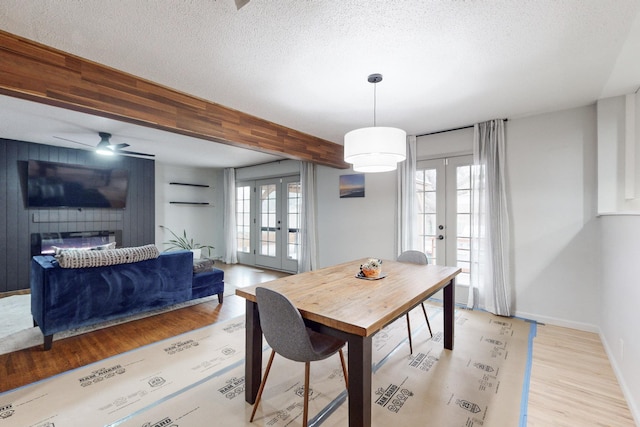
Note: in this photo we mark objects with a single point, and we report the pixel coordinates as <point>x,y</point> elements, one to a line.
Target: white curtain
<point>229,217</point>
<point>490,278</point>
<point>307,259</point>
<point>407,203</point>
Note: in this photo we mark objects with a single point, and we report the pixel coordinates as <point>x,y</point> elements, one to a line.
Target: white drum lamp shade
<point>375,149</point>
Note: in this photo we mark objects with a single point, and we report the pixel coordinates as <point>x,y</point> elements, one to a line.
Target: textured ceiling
<point>304,63</point>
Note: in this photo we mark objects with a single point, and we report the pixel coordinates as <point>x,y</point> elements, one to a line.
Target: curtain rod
<point>263,164</point>
<point>449,130</point>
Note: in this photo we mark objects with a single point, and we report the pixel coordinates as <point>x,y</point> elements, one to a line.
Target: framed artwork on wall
<point>352,185</point>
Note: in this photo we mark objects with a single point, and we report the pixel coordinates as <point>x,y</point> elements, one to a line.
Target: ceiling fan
<point>105,147</point>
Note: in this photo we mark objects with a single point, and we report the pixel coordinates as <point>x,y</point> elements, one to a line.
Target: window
<point>243,218</point>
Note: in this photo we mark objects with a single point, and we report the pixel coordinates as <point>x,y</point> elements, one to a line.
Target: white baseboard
<point>633,407</point>
<point>587,327</point>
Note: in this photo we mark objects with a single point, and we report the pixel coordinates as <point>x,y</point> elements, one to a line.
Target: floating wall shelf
<point>190,203</point>
<point>190,185</point>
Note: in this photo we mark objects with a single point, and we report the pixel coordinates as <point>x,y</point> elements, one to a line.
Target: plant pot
<point>371,272</point>
<point>197,253</point>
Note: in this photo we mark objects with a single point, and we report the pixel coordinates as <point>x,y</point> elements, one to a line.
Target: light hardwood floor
<point>572,382</point>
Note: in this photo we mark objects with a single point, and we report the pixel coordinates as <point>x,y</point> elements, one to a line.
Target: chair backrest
<point>415,257</point>
<point>283,327</point>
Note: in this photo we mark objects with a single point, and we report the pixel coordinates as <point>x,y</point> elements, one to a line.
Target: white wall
<point>610,153</point>
<point>619,154</point>
<point>552,185</point>
<point>268,170</point>
<point>620,294</point>
<point>204,224</point>
<point>454,143</point>
<point>353,228</point>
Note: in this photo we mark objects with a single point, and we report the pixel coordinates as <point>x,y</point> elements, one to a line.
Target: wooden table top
<point>334,297</point>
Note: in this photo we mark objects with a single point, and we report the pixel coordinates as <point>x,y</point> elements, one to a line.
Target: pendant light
<point>375,149</point>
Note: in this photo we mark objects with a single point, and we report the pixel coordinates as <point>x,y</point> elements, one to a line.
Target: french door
<point>443,189</point>
<point>268,222</point>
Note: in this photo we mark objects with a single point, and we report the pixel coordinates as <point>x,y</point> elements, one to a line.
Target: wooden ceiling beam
<point>36,72</point>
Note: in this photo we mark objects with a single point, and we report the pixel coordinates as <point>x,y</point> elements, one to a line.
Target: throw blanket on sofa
<point>74,258</point>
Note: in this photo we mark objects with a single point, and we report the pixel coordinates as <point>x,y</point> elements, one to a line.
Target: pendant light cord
<point>374,103</point>
<point>375,79</point>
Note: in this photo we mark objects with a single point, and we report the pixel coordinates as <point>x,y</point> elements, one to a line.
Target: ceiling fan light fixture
<point>375,149</point>
<point>104,147</point>
<point>104,151</point>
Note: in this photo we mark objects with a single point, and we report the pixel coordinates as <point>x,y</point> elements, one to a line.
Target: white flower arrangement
<point>371,268</point>
<point>372,263</point>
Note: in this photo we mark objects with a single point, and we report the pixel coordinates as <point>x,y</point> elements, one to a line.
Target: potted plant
<point>183,242</point>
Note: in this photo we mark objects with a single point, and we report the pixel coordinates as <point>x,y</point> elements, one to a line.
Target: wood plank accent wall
<point>17,222</point>
<point>40,73</point>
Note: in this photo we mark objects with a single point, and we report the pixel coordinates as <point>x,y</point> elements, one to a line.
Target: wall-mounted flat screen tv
<point>58,185</point>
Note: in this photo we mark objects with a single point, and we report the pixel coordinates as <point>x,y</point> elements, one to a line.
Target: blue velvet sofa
<point>68,298</point>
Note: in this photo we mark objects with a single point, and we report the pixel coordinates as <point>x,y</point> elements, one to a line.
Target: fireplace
<point>43,243</point>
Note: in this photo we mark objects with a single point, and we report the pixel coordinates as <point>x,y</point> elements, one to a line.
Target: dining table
<point>336,301</point>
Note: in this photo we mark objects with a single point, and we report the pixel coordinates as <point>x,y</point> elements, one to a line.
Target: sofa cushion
<point>202,264</point>
<point>101,258</point>
<point>208,283</point>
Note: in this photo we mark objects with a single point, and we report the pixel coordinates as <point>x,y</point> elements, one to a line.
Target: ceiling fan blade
<point>240,3</point>
<point>120,146</point>
<point>104,143</point>
<point>75,142</point>
<point>134,153</point>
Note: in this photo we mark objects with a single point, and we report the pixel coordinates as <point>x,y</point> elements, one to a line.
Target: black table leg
<point>359,381</point>
<point>449,305</point>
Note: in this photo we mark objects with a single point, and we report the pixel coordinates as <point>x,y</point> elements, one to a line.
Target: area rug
<point>17,331</point>
<point>197,379</point>
<point>16,314</point>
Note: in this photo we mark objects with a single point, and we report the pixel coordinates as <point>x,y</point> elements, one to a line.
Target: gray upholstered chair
<point>415,257</point>
<point>286,333</point>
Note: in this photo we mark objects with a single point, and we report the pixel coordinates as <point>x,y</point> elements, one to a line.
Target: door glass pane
<point>464,201</point>
<point>463,174</point>
<point>430,224</point>
<point>294,207</point>
<point>267,237</point>
<point>427,205</point>
<point>243,215</point>
<point>463,223</point>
